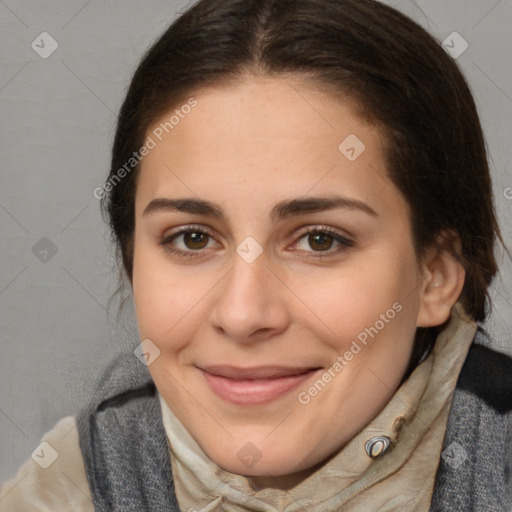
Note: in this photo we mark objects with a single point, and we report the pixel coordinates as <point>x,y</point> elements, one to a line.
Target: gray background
<point>57,120</point>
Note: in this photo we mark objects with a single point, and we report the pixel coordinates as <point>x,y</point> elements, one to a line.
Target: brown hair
<point>395,72</point>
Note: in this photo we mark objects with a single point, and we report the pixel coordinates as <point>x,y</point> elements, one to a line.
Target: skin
<point>247,146</point>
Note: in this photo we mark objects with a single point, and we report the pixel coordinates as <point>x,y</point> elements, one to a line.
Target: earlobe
<point>443,282</point>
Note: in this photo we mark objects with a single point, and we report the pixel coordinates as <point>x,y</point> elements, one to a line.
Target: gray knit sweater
<point>127,457</point>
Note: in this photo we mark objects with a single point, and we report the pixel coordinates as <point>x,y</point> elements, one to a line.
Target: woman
<point>301,200</point>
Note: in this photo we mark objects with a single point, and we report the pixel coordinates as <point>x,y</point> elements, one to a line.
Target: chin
<point>249,460</point>
<point>261,468</point>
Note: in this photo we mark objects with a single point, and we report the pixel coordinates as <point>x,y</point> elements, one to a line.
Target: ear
<point>442,285</point>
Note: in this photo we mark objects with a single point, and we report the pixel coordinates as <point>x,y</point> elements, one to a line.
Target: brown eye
<point>320,241</point>
<point>195,239</point>
<point>187,242</point>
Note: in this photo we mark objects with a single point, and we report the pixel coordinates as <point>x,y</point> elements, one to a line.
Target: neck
<point>282,482</point>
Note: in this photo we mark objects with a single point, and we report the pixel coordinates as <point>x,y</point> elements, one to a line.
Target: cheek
<point>168,299</point>
<point>346,299</point>
<point>156,294</point>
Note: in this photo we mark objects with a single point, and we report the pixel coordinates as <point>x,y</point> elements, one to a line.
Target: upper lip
<point>255,372</point>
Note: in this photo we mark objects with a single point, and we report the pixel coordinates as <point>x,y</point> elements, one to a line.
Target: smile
<point>254,386</point>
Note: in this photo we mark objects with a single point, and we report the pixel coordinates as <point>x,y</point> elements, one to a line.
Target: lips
<point>256,385</point>
<point>259,372</point>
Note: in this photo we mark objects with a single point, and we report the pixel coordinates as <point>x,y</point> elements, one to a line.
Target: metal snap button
<point>376,446</point>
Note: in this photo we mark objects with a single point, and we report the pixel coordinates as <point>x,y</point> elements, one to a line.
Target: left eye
<point>322,239</point>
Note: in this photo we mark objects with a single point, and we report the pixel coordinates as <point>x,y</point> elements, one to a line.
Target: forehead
<point>263,139</point>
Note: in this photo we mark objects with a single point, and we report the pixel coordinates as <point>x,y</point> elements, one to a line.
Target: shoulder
<point>487,374</point>
<point>53,478</point>
<point>475,468</point>
<point>123,441</point>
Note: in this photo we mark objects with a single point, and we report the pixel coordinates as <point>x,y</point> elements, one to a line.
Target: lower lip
<point>254,392</point>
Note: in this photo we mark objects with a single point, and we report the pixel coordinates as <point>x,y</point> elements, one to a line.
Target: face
<point>274,270</point>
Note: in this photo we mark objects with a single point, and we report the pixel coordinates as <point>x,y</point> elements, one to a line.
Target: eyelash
<point>324,230</point>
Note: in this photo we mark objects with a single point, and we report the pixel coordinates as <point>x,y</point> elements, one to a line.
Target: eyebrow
<point>280,211</point>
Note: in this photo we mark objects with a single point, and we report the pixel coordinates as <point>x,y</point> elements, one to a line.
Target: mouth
<point>254,386</point>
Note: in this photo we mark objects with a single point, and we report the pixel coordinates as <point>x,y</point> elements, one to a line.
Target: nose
<point>250,303</point>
